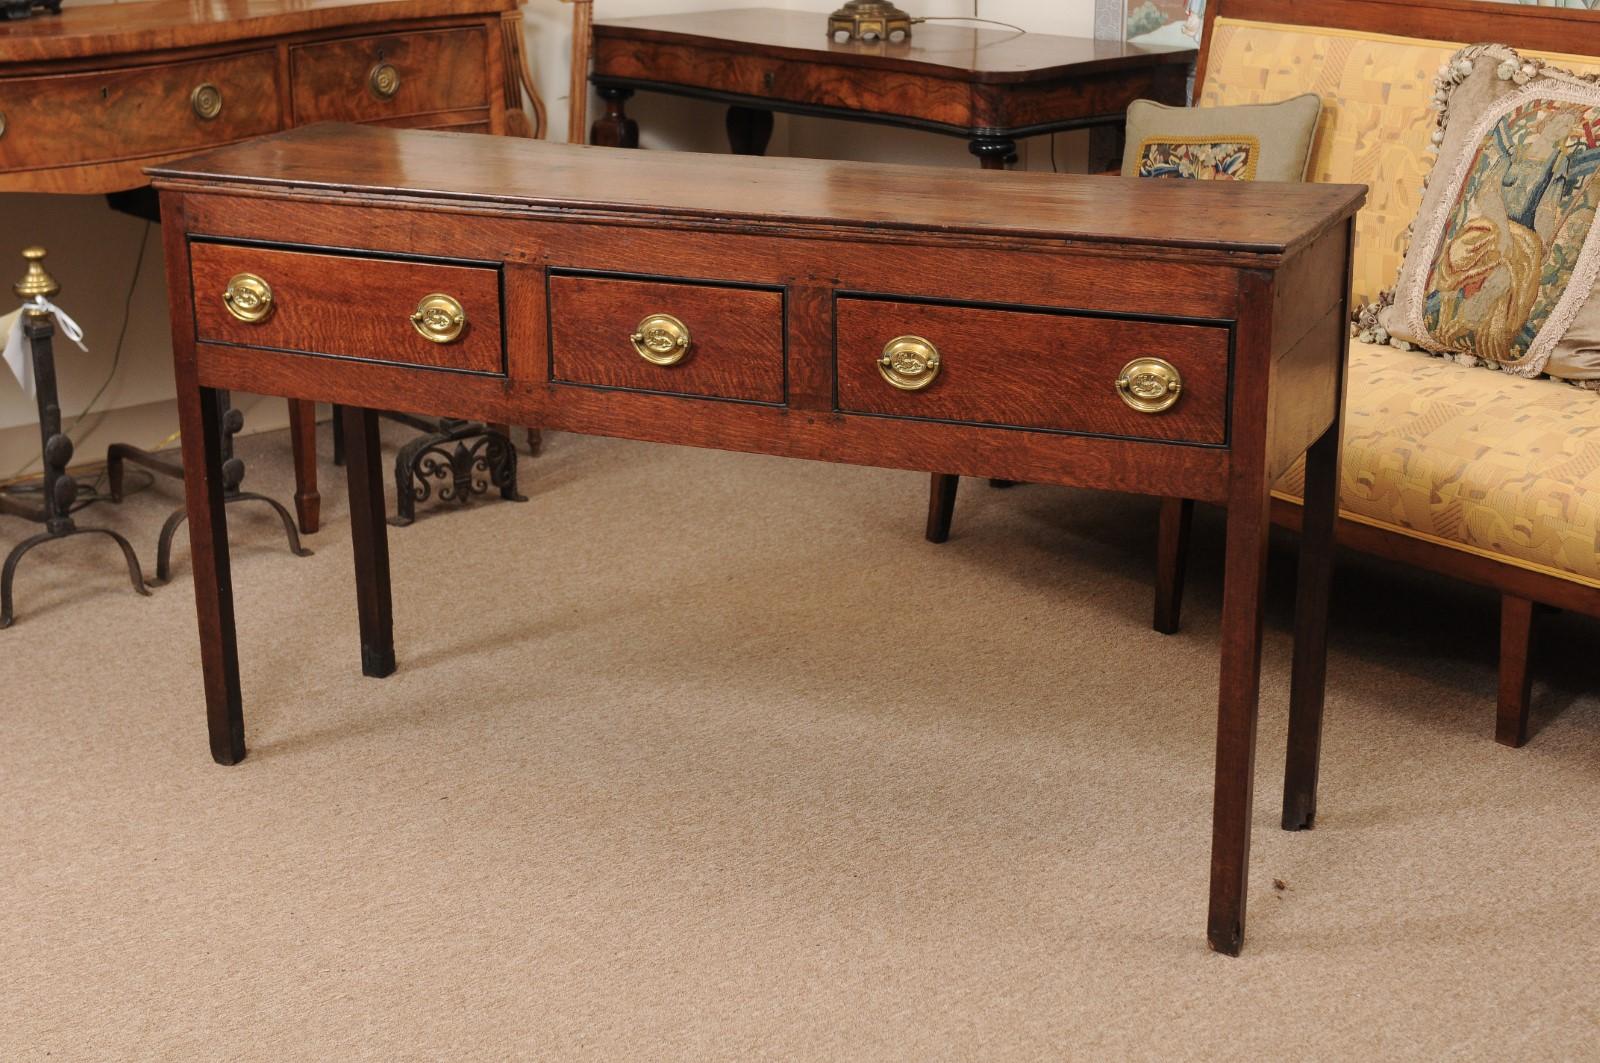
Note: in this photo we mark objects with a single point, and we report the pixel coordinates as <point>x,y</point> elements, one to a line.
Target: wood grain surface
<point>439,70</point>
<point>1236,218</point>
<point>1033,370</point>
<point>736,349</point>
<point>349,307</point>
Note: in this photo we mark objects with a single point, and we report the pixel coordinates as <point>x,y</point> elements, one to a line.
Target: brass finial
<point>36,281</point>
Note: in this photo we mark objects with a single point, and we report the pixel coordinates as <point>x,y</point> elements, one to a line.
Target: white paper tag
<point>18,353</point>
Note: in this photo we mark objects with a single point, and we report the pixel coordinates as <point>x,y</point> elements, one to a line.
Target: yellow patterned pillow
<point>1377,119</point>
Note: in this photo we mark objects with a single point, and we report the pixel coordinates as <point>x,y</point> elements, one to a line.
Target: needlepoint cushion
<point>1504,254</point>
<point>1259,142</point>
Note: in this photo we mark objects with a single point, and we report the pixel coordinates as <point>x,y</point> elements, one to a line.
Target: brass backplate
<point>910,363</point>
<point>248,297</point>
<point>1150,385</point>
<point>662,339</point>
<point>438,318</point>
<point>206,99</point>
<point>384,80</point>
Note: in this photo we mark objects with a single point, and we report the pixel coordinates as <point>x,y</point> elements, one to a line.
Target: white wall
<point>93,249</point>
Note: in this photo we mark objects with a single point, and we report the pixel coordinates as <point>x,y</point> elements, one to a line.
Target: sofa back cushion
<point>1377,120</point>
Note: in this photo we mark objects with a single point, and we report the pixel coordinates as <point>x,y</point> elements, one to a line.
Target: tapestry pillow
<point>1253,142</point>
<point>1504,253</point>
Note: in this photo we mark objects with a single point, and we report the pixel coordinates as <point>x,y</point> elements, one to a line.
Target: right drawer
<point>397,75</point>
<point>1033,369</point>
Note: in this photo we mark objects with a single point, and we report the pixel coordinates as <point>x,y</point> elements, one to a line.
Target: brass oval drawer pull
<point>439,318</point>
<point>248,297</point>
<point>1150,385</point>
<point>909,363</point>
<point>662,339</point>
<point>384,80</point>
<point>206,99</point>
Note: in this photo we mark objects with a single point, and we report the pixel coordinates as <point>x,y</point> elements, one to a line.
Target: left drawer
<point>436,315</point>
<point>105,116</point>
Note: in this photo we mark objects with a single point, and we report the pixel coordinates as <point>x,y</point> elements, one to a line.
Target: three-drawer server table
<point>1169,338</point>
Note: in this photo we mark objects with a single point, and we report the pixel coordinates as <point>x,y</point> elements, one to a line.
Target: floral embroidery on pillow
<point>1513,236</point>
<point>1214,158</point>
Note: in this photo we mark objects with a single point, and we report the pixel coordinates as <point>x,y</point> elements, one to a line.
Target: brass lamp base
<point>867,20</point>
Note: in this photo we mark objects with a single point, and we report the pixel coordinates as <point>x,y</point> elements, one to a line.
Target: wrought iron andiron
<point>60,489</point>
<point>231,421</point>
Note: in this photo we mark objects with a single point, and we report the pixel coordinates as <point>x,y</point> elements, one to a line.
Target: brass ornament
<point>910,363</point>
<point>206,99</point>
<point>870,20</point>
<point>248,298</point>
<point>662,339</point>
<point>2,123</point>
<point>37,280</point>
<point>439,318</point>
<point>1150,385</point>
<point>384,81</point>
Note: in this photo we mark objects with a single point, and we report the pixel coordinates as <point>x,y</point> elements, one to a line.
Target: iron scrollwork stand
<point>60,488</point>
<point>452,458</point>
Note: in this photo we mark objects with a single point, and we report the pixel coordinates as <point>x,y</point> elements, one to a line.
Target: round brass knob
<point>662,339</point>
<point>909,363</point>
<point>248,298</point>
<point>206,99</point>
<point>439,318</point>
<point>1150,385</point>
<point>384,80</point>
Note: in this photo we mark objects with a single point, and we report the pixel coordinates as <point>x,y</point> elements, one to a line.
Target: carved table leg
<point>749,130</point>
<point>614,129</point>
<point>303,441</point>
<point>200,417</point>
<point>369,540</point>
<point>993,153</point>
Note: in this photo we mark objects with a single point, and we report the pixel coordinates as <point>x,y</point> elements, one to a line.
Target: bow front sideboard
<point>1154,337</point>
<point>91,96</point>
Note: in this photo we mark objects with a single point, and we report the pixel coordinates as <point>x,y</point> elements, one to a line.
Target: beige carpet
<point>704,756</point>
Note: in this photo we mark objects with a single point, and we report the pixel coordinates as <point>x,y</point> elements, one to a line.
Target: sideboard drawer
<point>1030,369</point>
<point>367,79</point>
<point>347,306</point>
<point>723,342</point>
<point>108,115</point>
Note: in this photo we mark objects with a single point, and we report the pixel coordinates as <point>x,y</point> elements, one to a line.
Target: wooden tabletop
<point>970,52</point>
<point>1239,218</point>
<point>84,30</point>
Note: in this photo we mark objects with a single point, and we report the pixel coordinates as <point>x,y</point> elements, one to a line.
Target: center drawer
<point>403,312</point>
<point>1033,369</point>
<point>677,338</point>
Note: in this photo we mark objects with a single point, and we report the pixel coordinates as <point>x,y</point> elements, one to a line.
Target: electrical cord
<point>965,18</point>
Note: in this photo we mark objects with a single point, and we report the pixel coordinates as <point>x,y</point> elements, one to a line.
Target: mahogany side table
<point>990,86</point>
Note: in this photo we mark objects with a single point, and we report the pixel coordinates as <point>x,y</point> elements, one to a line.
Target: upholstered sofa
<point>1476,474</point>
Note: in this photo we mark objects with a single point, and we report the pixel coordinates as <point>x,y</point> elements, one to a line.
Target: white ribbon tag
<point>18,355</point>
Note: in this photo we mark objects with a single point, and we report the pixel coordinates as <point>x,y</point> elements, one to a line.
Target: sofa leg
<point>1516,679</point>
<point>941,506</point>
<point>1172,556</point>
